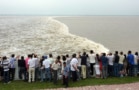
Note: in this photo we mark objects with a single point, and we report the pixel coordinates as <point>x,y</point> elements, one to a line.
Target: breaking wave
<point>41,35</point>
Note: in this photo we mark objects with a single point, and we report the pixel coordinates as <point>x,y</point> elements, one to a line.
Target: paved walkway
<point>132,86</point>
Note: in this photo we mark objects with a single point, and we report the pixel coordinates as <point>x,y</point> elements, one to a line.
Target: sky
<point>69,7</point>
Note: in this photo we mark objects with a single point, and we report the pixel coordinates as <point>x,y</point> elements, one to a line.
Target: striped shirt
<point>5,65</point>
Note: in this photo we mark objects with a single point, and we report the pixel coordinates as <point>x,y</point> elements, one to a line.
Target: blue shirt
<point>12,62</point>
<point>66,71</point>
<point>104,61</point>
<point>130,59</point>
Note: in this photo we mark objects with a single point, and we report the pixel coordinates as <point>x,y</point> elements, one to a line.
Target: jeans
<point>116,70</point>
<point>110,70</point>
<point>88,71</point>
<point>135,70</point>
<point>37,73</point>
<point>12,73</point>
<point>48,74</point>
<point>42,74</point>
<point>55,76</point>
<point>92,68</point>
<point>74,76</point>
<point>104,71</point>
<point>6,76</point>
<point>22,71</point>
<point>131,70</point>
<point>79,73</point>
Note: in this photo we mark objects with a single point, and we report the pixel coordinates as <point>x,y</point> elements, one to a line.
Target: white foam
<point>41,35</point>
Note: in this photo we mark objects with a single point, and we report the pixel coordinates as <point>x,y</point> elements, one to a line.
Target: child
<point>65,75</point>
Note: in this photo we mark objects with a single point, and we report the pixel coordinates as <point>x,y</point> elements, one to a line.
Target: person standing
<point>47,65</point>
<point>116,64</point>
<point>136,58</point>
<point>84,64</point>
<point>55,67</point>
<point>104,66</point>
<point>65,74</point>
<point>42,69</point>
<point>121,64</point>
<point>110,64</point>
<point>74,69</point>
<point>31,63</point>
<point>5,65</point>
<point>12,67</point>
<point>92,57</point>
<point>22,67</point>
<point>130,59</point>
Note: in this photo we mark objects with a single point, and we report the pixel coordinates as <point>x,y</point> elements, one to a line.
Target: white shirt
<point>92,58</point>
<point>136,59</point>
<point>31,63</point>
<point>110,59</point>
<point>36,62</point>
<point>73,62</point>
<point>46,63</point>
<point>121,59</point>
<point>51,60</point>
<point>55,66</point>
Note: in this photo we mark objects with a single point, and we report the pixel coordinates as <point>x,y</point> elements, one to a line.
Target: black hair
<point>64,58</point>
<point>22,57</point>
<point>4,58</point>
<point>121,53</point>
<point>136,53</point>
<point>50,55</point>
<point>12,55</point>
<point>67,55</point>
<point>91,51</point>
<point>116,52</point>
<point>74,55</point>
<point>58,57</point>
<point>84,53</point>
<point>129,52</point>
<point>64,62</point>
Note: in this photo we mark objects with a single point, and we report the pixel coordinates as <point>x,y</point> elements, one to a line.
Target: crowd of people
<point>76,67</point>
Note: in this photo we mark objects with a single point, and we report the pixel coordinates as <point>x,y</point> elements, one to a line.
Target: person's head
<point>74,55</point>
<point>121,53</point>
<point>129,52</point>
<point>104,54</point>
<point>67,56</point>
<point>12,55</point>
<point>84,53</point>
<point>4,58</point>
<point>63,57</point>
<point>22,57</point>
<point>110,53</point>
<point>64,63</point>
<point>35,56</point>
<point>136,53</point>
<point>58,57</point>
<point>31,56</point>
<point>50,55</point>
<point>116,52</point>
<point>91,51</point>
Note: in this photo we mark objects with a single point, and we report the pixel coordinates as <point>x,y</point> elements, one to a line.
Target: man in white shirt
<point>47,65</point>
<point>110,64</point>
<point>31,71</point>
<point>74,64</point>
<point>92,58</point>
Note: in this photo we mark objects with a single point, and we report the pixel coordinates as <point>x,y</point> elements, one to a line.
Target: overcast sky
<point>69,7</point>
